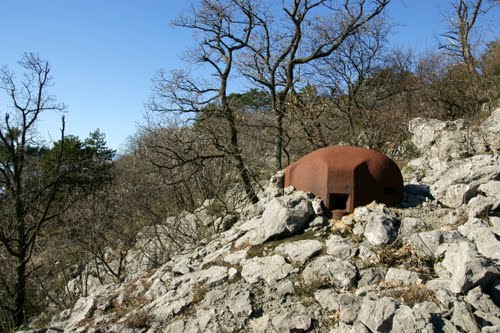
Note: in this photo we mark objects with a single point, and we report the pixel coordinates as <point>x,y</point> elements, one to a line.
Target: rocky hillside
<point>430,265</point>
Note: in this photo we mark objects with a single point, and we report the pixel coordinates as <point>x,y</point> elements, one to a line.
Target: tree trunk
<point>238,159</point>
<point>278,141</point>
<point>20,291</point>
<point>20,284</point>
<point>246,179</point>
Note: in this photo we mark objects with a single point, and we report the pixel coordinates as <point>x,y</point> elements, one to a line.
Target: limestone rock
<point>408,321</point>
<point>211,276</point>
<point>342,327</point>
<point>459,183</point>
<point>490,132</point>
<point>468,268</point>
<point>276,184</point>
<point>449,211</point>
<point>283,216</point>
<point>300,251</point>
<point>371,276</point>
<point>481,301</point>
<point>270,269</point>
<point>380,223</point>
<point>495,224</point>
<point>381,231</point>
<point>443,139</point>
<point>349,306</point>
<point>340,247</point>
<point>285,320</point>
<point>328,269</point>
<point>491,329</point>
<point>328,299</point>
<point>427,243</point>
<point>490,189</point>
<point>464,318</point>
<point>481,206</point>
<point>402,276</point>
<point>482,235</point>
<point>425,131</point>
<point>236,257</point>
<point>410,226</point>
<point>183,266</point>
<point>378,315</point>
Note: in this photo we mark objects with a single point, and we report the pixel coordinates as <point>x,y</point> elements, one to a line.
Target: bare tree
<point>462,41</point>
<point>223,28</point>
<point>343,76</point>
<point>307,30</point>
<point>27,195</point>
<point>462,34</point>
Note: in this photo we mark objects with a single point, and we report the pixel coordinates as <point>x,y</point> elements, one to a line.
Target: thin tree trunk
<point>20,284</point>
<point>20,291</point>
<point>278,141</point>
<point>238,159</point>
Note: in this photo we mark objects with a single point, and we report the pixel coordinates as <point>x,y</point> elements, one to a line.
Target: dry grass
<point>403,256</point>
<point>306,290</point>
<point>199,293</point>
<point>84,322</point>
<point>408,295</point>
<point>138,319</point>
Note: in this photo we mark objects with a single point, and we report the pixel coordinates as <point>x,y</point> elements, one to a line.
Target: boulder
<point>328,299</point>
<point>467,267</point>
<point>410,225</point>
<point>235,258</point>
<point>340,247</point>
<point>481,301</point>
<point>349,306</point>
<point>427,243</point>
<point>210,277</point>
<point>378,314</point>
<point>495,223</point>
<point>486,202</point>
<point>330,270</point>
<point>408,321</point>
<point>490,132</point>
<point>425,132</point>
<point>380,223</point>
<point>483,236</point>
<point>282,216</point>
<point>481,206</point>
<point>371,276</point>
<point>490,189</point>
<point>463,318</point>
<point>442,139</point>
<point>460,182</point>
<point>342,327</point>
<point>183,266</point>
<point>300,251</point>
<point>270,269</point>
<point>287,321</point>
<point>402,276</point>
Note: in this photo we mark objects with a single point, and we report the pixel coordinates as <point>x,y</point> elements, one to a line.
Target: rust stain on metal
<point>347,177</point>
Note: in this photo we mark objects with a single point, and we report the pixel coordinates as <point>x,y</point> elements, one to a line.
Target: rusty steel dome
<point>346,177</point>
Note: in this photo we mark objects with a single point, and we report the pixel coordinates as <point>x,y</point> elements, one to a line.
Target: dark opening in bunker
<point>389,191</point>
<point>338,201</point>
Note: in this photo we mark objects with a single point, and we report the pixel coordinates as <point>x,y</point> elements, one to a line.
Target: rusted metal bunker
<point>347,177</point>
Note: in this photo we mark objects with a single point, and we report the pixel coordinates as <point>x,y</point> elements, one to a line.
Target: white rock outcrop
<point>430,265</point>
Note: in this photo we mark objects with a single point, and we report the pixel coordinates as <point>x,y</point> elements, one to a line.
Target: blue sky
<point>104,52</point>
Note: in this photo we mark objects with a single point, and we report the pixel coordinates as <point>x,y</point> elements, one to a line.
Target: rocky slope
<point>430,265</point>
